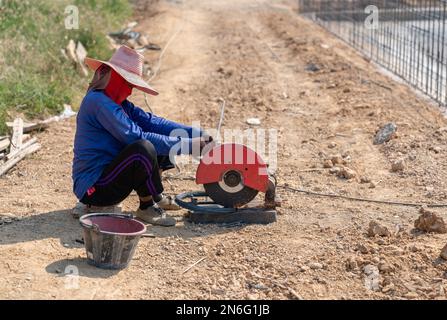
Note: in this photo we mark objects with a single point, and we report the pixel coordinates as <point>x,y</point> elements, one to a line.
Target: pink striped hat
<point>129,64</point>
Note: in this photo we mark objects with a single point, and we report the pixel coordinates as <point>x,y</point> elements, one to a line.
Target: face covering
<point>114,85</point>
<point>118,89</point>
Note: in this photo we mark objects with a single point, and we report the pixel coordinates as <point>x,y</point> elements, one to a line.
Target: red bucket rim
<point>113,215</point>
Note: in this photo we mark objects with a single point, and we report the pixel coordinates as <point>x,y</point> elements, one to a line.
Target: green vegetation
<point>35,77</point>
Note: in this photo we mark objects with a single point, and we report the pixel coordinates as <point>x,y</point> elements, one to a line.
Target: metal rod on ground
<point>194,264</point>
<point>147,103</point>
<point>312,170</point>
<point>148,235</point>
<point>219,125</point>
<point>159,62</point>
<point>180,28</point>
<point>410,204</point>
<point>175,177</point>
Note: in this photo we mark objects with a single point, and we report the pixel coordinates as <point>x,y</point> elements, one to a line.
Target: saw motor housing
<point>233,174</point>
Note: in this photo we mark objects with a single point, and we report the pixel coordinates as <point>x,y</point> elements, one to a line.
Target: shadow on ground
<point>78,266</point>
<point>60,224</point>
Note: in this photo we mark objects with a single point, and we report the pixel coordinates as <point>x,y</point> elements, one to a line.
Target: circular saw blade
<point>230,199</point>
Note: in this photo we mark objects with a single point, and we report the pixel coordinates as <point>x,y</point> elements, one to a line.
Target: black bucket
<point>111,239</point>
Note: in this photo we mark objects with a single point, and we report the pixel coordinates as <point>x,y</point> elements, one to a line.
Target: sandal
<point>81,209</point>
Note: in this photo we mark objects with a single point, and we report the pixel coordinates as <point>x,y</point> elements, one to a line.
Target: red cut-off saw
<point>232,175</point>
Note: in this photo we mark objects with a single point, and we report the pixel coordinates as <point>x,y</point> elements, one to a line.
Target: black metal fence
<point>408,37</point>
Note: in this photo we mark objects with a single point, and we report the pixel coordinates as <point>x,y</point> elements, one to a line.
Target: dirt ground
<point>255,54</point>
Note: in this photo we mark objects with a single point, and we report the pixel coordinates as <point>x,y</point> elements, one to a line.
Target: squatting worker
<point>118,147</point>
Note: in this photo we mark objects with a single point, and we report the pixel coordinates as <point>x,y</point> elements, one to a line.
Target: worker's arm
<point>152,123</point>
<point>113,118</point>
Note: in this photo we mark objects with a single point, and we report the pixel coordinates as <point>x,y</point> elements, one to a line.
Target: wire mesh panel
<point>408,37</point>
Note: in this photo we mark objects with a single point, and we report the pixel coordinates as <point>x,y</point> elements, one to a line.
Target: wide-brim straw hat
<point>129,64</point>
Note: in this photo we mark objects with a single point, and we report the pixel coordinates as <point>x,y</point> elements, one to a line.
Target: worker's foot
<point>156,216</point>
<point>168,203</point>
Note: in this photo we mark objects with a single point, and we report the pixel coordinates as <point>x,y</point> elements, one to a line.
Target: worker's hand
<point>210,144</point>
<point>202,144</point>
<point>206,137</point>
<point>198,143</point>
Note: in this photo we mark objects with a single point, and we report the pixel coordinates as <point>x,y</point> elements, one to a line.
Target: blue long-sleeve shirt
<point>104,128</point>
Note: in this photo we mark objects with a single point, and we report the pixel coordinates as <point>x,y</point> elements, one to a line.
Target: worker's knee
<point>146,148</point>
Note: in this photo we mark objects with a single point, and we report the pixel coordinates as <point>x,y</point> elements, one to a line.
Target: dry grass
<point>35,78</point>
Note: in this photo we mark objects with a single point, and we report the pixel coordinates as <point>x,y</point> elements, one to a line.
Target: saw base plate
<point>209,212</point>
<point>243,216</point>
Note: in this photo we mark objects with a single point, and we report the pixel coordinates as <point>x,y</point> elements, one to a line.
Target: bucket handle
<point>95,228</point>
